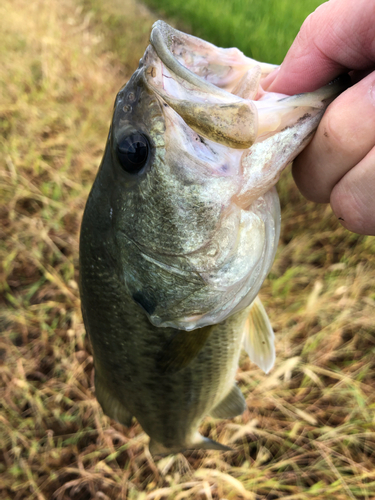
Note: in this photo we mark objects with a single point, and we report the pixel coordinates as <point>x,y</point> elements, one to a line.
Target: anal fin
<point>232,405</point>
<point>259,339</point>
<point>111,406</point>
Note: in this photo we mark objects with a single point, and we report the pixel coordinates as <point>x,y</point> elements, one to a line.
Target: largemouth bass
<point>180,230</point>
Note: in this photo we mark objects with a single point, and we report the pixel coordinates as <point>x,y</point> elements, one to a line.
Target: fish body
<point>180,230</point>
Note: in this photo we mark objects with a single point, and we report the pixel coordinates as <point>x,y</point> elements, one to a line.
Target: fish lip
<point>161,39</point>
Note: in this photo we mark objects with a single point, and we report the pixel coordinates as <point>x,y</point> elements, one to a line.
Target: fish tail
<point>210,444</point>
<point>199,443</point>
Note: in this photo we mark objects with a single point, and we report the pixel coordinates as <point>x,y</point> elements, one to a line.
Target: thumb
<point>337,37</point>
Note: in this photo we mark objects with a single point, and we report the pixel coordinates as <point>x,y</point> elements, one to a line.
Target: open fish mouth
<point>218,91</point>
<point>231,139</point>
<point>196,79</point>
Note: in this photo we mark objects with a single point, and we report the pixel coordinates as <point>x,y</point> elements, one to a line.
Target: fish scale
<point>176,401</point>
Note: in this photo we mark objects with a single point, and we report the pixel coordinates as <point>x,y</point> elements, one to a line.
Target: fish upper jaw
<point>187,56</point>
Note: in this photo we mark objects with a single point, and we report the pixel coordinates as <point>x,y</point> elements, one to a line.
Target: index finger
<point>337,37</point>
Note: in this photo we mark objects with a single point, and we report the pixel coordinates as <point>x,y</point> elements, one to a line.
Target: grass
<point>308,432</point>
<point>263,29</point>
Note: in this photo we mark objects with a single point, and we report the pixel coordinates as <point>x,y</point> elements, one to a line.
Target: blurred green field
<point>309,430</point>
<point>262,29</point>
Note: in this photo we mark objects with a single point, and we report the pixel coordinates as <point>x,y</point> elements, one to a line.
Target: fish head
<point>194,218</point>
<point>170,200</point>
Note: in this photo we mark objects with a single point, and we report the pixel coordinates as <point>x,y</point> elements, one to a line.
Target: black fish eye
<point>133,152</point>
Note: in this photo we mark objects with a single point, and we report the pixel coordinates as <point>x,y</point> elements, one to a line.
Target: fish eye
<point>133,152</point>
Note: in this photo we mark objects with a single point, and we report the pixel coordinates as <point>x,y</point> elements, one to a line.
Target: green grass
<point>309,429</point>
<point>263,30</point>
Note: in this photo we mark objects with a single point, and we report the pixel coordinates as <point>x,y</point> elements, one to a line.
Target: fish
<point>180,230</point>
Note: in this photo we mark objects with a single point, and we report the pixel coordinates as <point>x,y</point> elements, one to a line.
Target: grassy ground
<point>308,432</point>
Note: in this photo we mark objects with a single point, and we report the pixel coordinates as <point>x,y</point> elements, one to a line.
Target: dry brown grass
<point>309,429</point>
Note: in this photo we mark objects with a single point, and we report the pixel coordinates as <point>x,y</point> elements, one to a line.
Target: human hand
<point>338,166</point>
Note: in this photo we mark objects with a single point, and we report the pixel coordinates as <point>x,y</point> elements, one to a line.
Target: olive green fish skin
<point>127,347</point>
<point>130,378</point>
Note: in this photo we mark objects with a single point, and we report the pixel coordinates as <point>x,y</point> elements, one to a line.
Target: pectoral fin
<point>259,340</point>
<point>232,405</point>
<point>180,350</point>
